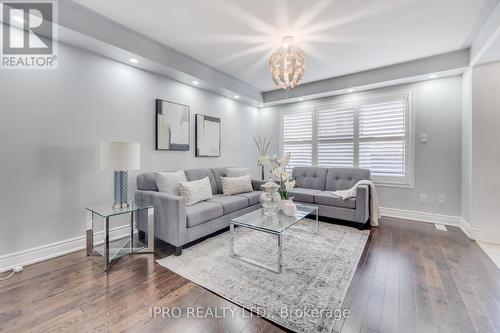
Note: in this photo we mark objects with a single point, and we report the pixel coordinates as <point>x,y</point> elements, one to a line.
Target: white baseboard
<point>420,216</point>
<point>457,221</point>
<point>480,234</point>
<point>49,251</point>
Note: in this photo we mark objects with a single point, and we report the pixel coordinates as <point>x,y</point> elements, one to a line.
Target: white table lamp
<point>120,157</point>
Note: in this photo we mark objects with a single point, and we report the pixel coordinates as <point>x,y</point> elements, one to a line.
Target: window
<point>335,137</point>
<point>298,137</point>
<point>372,133</point>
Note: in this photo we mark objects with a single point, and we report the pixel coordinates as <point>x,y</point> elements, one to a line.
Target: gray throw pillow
<point>237,172</point>
<point>168,182</point>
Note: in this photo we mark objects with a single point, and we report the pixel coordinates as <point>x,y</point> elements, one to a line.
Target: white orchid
<point>280,172</point>
<point>289,185</point>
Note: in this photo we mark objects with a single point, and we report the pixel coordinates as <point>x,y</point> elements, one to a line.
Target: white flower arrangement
<point>279,170</point>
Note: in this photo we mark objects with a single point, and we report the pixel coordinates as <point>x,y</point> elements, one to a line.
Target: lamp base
<point>121,206</point>
<point>121,190</point>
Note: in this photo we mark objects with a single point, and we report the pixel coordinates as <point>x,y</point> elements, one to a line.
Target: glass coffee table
<point>275,225</point>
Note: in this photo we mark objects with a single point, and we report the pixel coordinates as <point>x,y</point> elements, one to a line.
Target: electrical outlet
<point>441,199</point>
<point>423,197</point>
<point>423,138</point>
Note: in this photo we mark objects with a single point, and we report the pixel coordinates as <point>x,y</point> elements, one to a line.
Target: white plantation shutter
<point>382,138</point>
<point>298,138</point>
<point>335,137</point>
<point>373,133</point>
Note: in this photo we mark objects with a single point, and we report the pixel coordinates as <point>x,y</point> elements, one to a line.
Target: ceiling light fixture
<point>287,65</point>
<point>196,82</point>
<point>133,60</point>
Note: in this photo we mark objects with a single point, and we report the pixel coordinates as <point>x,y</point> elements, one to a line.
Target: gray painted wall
<point>51,123</point>
<point>485,184</point>
<point>437,164</point>
<point>466,143</point>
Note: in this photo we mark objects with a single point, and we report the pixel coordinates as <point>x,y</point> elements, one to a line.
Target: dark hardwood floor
<point>411,278</point>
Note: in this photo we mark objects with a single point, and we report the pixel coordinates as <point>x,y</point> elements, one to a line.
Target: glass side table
<point>112,249</point>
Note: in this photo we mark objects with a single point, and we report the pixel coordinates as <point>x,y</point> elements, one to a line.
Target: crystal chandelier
<point>287,64</point>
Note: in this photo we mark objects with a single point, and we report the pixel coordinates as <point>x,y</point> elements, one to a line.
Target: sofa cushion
<point>310,177</point>
<point>237,172</point>
<point>202,212</point>
<point>168,182</point>
<point>253,197</point>
<point>197,174</point>
<point>229,203</point>
<point>218,172</point>
<point>344,178</point>
<point>303,194</point>
<point>146,182</point>
<point>328,199</point>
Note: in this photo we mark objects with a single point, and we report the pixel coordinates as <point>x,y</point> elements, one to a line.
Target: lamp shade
<point>120,156</point>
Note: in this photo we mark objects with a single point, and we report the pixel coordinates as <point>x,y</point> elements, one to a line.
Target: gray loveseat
<point>178,224</point>
<point>314,185</point>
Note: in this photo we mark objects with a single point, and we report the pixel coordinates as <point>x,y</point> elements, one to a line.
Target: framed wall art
<point>172,125</point>
<point>208,139</point>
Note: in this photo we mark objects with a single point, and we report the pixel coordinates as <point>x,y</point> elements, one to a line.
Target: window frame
<point>356,102</point>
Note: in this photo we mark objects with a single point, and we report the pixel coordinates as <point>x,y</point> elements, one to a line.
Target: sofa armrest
<point>170,215</point>
<point>257,183</point>
<point>362,203</point>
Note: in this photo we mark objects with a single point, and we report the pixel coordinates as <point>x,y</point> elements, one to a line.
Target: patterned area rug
<point>305,297</point>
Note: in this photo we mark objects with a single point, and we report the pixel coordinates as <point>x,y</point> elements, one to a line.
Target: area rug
<point>305,297</point>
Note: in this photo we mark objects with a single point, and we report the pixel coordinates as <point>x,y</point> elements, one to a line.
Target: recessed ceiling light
<point>133,60</point>
<point>196,82</point>
<point>301,99</point>
<point>350,90</point>
<point>433,76</point>
<point>236,96</point>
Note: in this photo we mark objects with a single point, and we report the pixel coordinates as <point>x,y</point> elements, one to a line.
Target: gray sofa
<point>178,224</point>
<point>314,185</point>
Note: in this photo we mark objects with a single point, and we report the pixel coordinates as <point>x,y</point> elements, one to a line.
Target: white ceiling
<point>338,36</point>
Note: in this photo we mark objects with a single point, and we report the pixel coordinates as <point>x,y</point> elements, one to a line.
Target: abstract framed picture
<point>172,126</point>
<point>207,136</point>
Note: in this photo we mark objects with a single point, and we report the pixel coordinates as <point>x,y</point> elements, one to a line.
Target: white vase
<point>288,207</point>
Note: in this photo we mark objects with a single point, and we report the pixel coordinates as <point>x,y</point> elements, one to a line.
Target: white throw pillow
<point>237,172</point>
<point>196,191</point>
<point>168,182</point>
<point>235,185</point>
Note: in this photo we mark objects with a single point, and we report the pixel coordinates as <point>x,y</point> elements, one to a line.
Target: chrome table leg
<point>106,244</point>
<point>231,241</point>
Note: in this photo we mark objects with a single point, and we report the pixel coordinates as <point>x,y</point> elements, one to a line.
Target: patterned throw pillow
<point>196,191</point>
<point>235,185</point>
